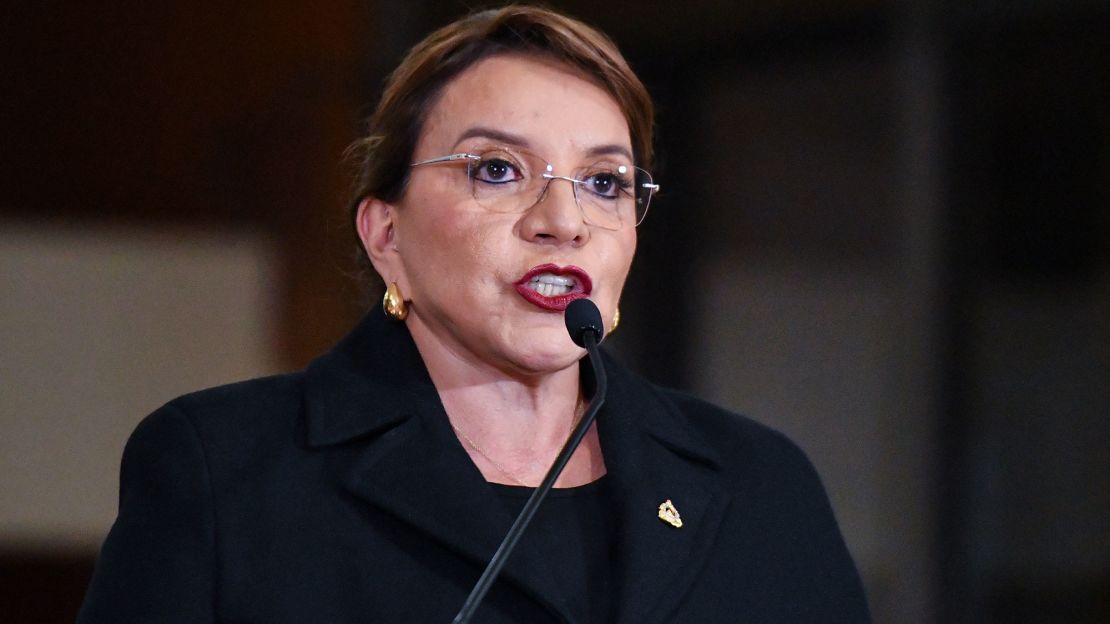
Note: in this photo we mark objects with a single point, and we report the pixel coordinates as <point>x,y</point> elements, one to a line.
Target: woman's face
<point>470,272</point>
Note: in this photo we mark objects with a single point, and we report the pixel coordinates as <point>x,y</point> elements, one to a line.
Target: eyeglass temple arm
<point>448,158</point>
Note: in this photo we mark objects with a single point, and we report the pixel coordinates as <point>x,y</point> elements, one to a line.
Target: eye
<point>608,184</point>
<point>496,170</point>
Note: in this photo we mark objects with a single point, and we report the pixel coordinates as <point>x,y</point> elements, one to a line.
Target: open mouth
<point>552,287</point>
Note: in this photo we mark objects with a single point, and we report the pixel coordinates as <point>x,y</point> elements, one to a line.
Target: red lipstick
<point>579,289</point>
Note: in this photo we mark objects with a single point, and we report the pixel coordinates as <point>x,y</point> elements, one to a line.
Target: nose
<point>556,219</point>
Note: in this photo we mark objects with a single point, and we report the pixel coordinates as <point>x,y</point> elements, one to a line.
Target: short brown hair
<point>384,155</point>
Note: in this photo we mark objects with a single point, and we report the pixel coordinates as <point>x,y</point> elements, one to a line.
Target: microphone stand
<point>493,568</point>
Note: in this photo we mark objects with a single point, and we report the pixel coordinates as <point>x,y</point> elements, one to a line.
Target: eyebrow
<point>611,148</point>
<point>491,133</point>
<point>518,141</point>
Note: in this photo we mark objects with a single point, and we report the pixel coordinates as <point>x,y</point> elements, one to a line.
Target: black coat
<point>340,494</point>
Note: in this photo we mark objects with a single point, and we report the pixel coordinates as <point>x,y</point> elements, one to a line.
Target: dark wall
<point>1026,431</point>
<point>187,116</point>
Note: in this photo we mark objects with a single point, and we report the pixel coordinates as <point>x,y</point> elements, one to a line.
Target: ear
<point>375,222</point>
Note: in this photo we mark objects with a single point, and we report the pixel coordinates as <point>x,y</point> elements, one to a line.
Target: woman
<point>500,182</point>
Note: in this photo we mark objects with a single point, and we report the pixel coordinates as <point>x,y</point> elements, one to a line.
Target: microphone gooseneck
<point>584,325</point>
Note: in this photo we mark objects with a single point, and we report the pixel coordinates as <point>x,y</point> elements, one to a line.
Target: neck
<point>511,423</point>
<point>522,408</point>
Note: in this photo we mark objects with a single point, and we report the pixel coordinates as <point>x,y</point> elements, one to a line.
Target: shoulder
<point>735,440</point>
<point>731,433</point>
<point>225,415</point>
<point>244,397</point>
<point>749,454</point>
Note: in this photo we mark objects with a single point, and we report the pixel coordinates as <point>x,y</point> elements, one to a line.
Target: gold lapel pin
<point>670,515</point>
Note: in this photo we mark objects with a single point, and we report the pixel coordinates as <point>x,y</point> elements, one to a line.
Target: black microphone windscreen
<point>583,316</point>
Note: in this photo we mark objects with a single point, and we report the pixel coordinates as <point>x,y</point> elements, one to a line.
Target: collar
<point>370,381</point>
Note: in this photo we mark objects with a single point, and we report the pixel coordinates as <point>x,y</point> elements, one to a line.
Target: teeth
<point>551,285</point>
<point>551,278</point>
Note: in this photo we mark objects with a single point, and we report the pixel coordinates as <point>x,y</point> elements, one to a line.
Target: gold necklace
<point>474,445</point>
<point>578,412</point>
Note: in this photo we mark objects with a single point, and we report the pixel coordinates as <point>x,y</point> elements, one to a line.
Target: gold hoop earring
<point>616,320</point>
<point>394,303</point>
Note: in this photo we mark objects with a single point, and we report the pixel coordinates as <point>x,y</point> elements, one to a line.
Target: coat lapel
<point>374,387</point>
<point>652,456</point>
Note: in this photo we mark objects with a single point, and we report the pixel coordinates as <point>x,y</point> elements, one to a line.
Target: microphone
<point>585,328</point>
<point>582,317</point>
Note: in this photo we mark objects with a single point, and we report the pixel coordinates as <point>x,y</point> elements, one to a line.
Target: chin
<point>546,356</point>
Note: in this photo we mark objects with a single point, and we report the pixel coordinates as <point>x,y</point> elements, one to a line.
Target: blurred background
<point>885,230</point>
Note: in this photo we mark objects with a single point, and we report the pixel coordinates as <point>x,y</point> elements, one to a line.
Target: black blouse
<point>573,529</point>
